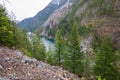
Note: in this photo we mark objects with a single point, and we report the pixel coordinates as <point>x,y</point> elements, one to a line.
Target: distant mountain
<point>30,24</point>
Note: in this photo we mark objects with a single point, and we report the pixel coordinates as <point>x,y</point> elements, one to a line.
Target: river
<point>49,45</point>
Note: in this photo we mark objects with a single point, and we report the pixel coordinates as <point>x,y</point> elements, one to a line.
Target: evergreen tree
<point>60,48</point>
<point>75,55</point>
<point>50,56</point>
<point>11,35</point>
<point>87,65</point>
<point>104,60</point>
<point>6,29</point>
<point>39,51</point>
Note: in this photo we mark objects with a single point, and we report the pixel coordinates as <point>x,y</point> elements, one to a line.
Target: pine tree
<point>39,51</point>
<point>6,29</point>
<point>50,57</point>
<point>75,55</point>
<point>104,60</point>
<point>60,48</point>
<point>10,33</point>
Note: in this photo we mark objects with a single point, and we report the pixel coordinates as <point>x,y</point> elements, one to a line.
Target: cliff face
<point>16,66</point>
<point>54,19</point>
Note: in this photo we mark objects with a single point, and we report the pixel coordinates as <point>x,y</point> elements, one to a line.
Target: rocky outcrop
<point>54,19</point>
<point>57,15</point>
<point>16,66</point>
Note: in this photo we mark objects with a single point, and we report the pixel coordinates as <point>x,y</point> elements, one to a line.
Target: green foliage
<point>26,52</point>
<point>65,26</point>
<point>21,41</point>
<point>104,8</point>
<point>51,32</point>
<point>60,48</point>
<point>6,37</point>
<point>85,30</point>
<point>50,57</point>
<point>104,61</point>
<point>38,48</point>
<point>67,22</point>
<point>6,29</point>
<point>11,35</point>
<point>3,17</point>
<point>99,78</point>
<point>75,55</point>
<point>77,5</point>
<point>20,38</point>
<point>69,55</point>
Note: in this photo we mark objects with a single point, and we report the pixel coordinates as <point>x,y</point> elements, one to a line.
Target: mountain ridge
<point>30,24</point>
<point>54,19</point>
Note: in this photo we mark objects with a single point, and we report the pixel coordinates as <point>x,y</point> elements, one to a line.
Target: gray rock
<point>1,68</point>
<point>26,60</point>
<point>20,54</point>
<point>7,58</point>
<point>4,78</point>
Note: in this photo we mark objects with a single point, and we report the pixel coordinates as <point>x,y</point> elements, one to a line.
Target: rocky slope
<point>16,66</point>
<point>102,17</point>
<point>54,19</point>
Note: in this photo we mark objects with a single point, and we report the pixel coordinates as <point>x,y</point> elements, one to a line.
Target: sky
<point>24,8</point>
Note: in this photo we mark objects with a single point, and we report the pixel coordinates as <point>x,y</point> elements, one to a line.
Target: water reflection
<point>49,45</point>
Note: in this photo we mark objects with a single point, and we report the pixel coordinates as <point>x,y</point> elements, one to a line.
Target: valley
<point>67,40</point>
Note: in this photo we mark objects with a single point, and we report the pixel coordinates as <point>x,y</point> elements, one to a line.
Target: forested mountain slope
<point>30,24</point>
<point>99,20</point>
<point>93,17</point>
<point>102,17</point>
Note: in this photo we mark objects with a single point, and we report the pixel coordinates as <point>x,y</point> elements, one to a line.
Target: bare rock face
<point>54,19</point>
<point>57,14</point>
<point>16,66</point>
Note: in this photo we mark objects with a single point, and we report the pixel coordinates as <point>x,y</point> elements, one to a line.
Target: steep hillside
<point>32,23</point>
<point>16,66</point>
<point>93,17</point>
<point>103,16</point>
<point>51,25</point>
<point>100,18</point>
